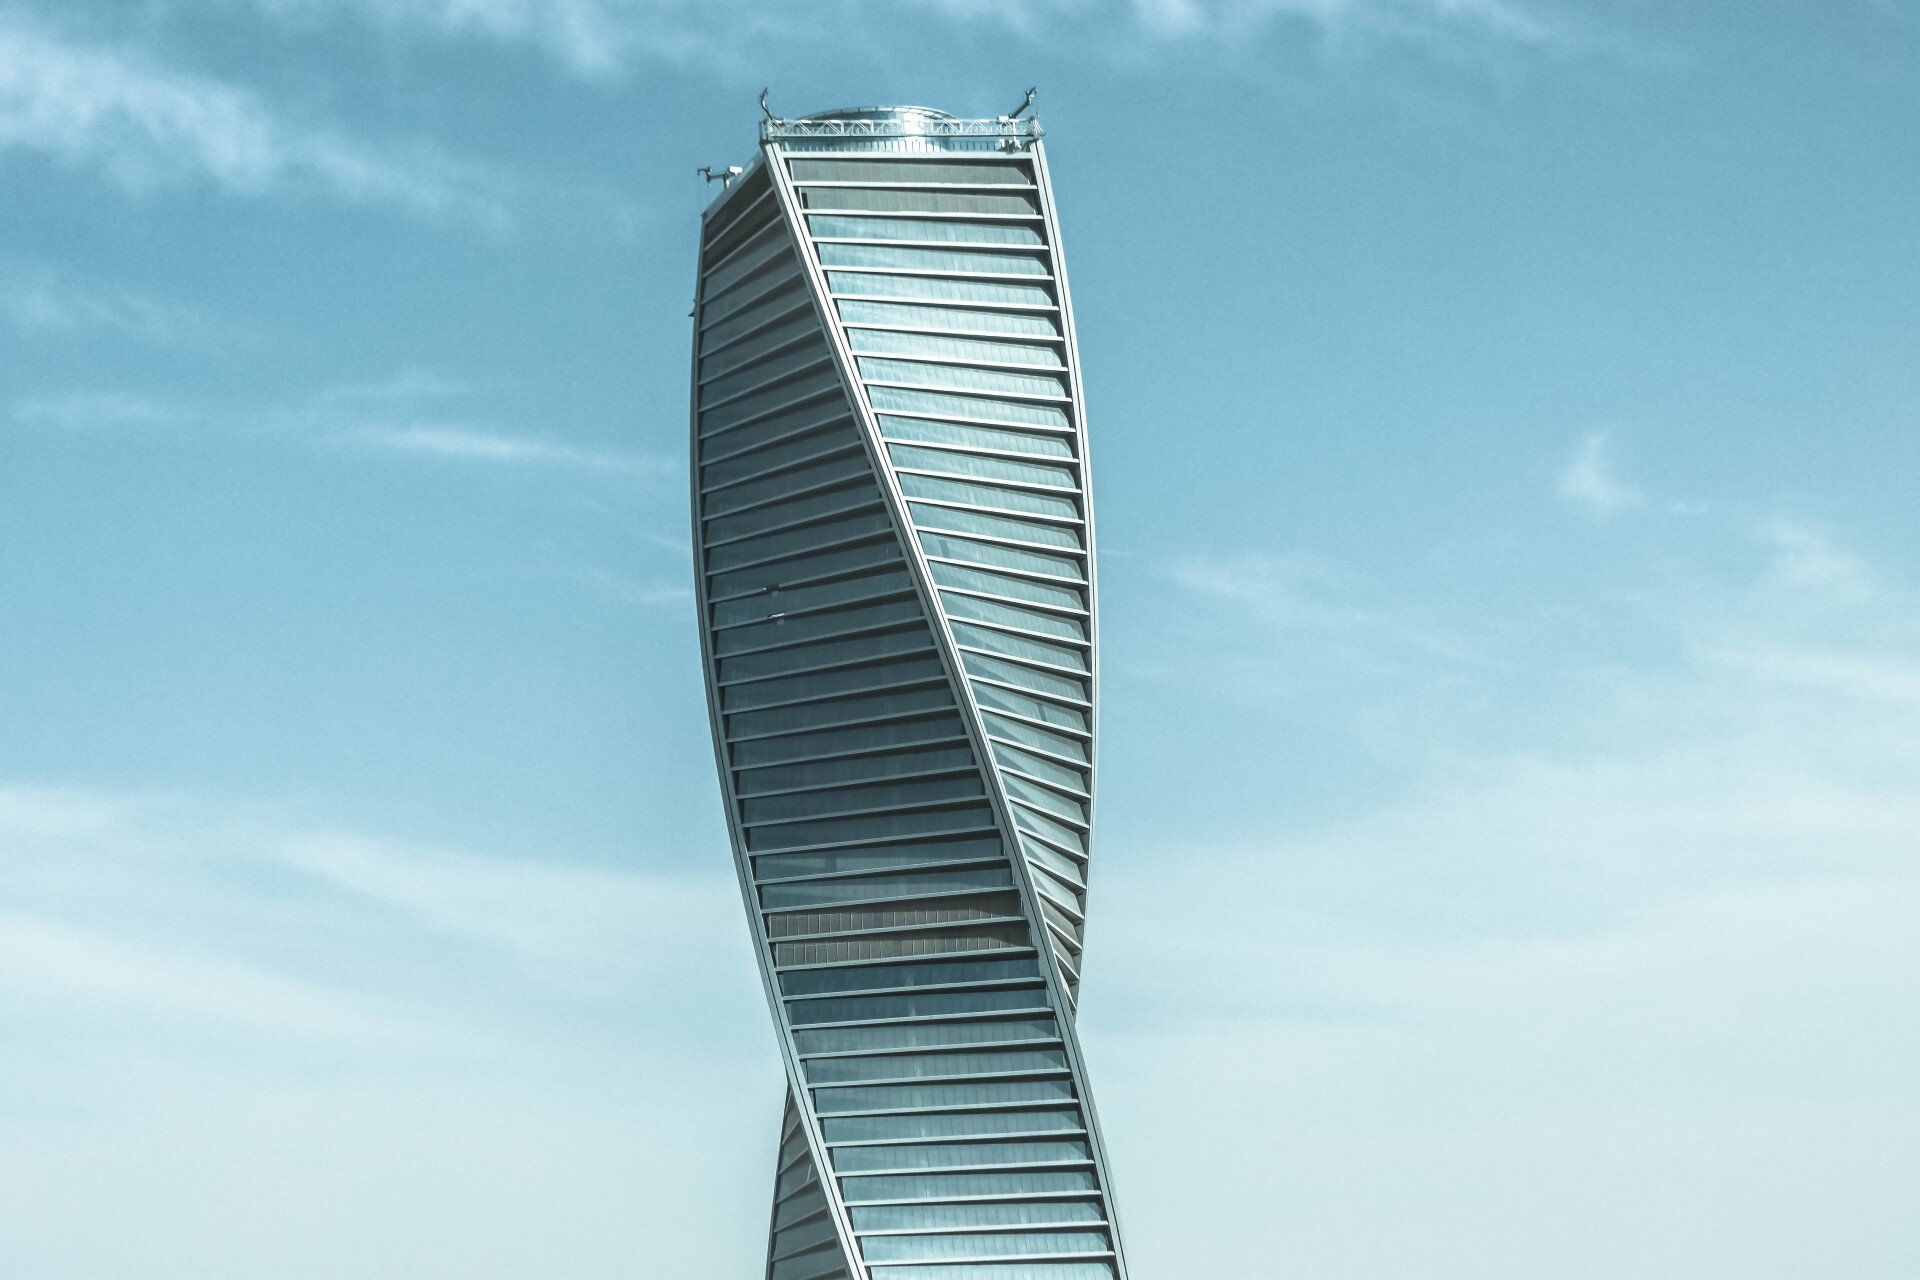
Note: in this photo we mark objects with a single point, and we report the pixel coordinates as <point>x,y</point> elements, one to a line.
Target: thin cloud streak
<point>143,125</point>
<point>469,444</point>
<point>1592,482</point>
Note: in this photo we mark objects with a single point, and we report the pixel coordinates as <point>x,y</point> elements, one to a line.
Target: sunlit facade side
<point>894,554</point>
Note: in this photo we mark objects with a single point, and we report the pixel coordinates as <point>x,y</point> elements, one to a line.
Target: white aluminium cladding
<point>895,574</point>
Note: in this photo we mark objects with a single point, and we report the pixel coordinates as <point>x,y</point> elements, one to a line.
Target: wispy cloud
<point>82,410</point>
<point>463,443</point>
<point>40,298</point>
<point>147,126</point>
<point>1593,483</point>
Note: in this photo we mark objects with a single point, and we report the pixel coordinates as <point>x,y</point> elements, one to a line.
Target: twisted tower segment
<point>894,550</point>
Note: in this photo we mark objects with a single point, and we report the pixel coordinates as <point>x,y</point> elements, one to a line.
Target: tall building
<point>894,547</point>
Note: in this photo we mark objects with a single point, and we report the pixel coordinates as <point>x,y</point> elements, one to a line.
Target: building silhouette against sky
<point>894,549</point>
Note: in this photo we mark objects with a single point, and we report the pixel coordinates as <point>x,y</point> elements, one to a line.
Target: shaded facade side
<point>896,609</point>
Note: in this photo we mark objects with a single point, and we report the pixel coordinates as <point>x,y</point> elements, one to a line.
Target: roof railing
<point>1020,130</point>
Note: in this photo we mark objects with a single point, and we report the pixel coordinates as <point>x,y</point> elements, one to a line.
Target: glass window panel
<point>968,464</point>
<point>1045,682</point>
<point>813,893</point>
<point>1048,863</point>
<point>1017,704</point>
<point>805,566</point>
<point>777,428</point>
<point>1048,829</point>
<point>881,826</point>
<point>997,1271</point>
<point>902,258</point>
<point>900,763</point>
<point>871,682</point>
<point>919,1065</point>
<point>947,405</point>
<point>859,738</point>
<point>798,327</point>
<point>1026,501</point>
<point>805,1236</point>
<point>756,251</point>
<point>950,941</point>
<point>934,431</point>
<point>1019,647</point>
<point>917,1004</point>
<point>775,601</point>
<point>907,315</point>
<point>1000,584</point>
<point>995,1244</point>
<point>973,1124</point>
<point>880,977</point>
<point>953,1154</point>
<point>808,626</point>
<point>821,653</point>
<point>1032,793</point>
<point>937,289</point>
<point>797,479</point>
<point>975,609</point>
<point>949,519</point>
<point>869,706</point>
<point>923,1035</point>
<point>832,226</point>
<point>763,372</point>
<point>1040,767</point>
<point>735,413</point>
<point>816,1264</point>
<point>961,377</point>
<point>891,342</point>
<point>930,1217</point>
<point>875,795</point>
<point>913,912</point>
<point>1016,558</point>
<point>880,200</point>
<point>716,333</point>
<point>822,508</point>
<point>838,437</point>
<point>950,1186</point>
<point>965,173</point>
<point>781,866</point>
<point>968,1093</point>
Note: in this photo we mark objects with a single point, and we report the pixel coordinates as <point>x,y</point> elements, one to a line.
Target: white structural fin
<point>894,553</point>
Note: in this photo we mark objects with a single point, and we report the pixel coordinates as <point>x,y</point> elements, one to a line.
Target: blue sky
<point>1505,434</point>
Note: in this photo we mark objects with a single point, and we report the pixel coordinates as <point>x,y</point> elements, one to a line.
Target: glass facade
<point>893,546</point>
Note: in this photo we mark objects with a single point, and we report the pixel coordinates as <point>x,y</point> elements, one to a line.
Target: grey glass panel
<point>952,1094</point>
<point>828,472</point>
<point>715,333</point>
<point>880,200</point>
<point>954,1154</point>
<point>893,343</point>
<point>959,377</point>
<point>1040,767</point>
<point>823,653</point>
<point>903,702</point>
<point>950,1186</point>
<point>995,613</point>
<point>938,289</point>
<point>1002,439</point>
<point>885,826</point>
<point>832,511</point>
<point>1017,704</point>
<point>920,1065</point>
<point>1015,558</point>
<point>1026,501</point>
<point>996,1271</point>
<point>801,326</point>
<point>866,737</point>
<point>1018,647</point>
<point>967,464</point>
<point>1048,829</point>
<point>909,913</point>
<point>838,437</point>
<point>878,977</point>
<point>764,374</point>
<point>814,1265</point>
<point>949,519</point>
<point>1000,584</point>
<point>810,893</point>
<point>778,866</point>
<point>1045,682</point>
<point>807,626</point>
<point>793,601</point>
<point>994,1244</point>
<point>943,404</point>
<point>804,566</point>
<point>917,1004</point>
<point>831,226</point>
<point>1032,793</point>
<point>777,428</point>
<point>929,171</point>
<point>908,315</point>
<point>1055,872</point>
<point>900,762</point>
<point>879,795</point>
<point>807,1236</point>
<point>924,1035</point>
<point>762,247</point>
<point>922,1217</point>
<point>907,259</point>
<point>950,941</point>
<point>734,413</point>
<point>968,1124</point>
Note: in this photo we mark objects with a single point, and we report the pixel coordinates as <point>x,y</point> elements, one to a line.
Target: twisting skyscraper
<point>894,551</point>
